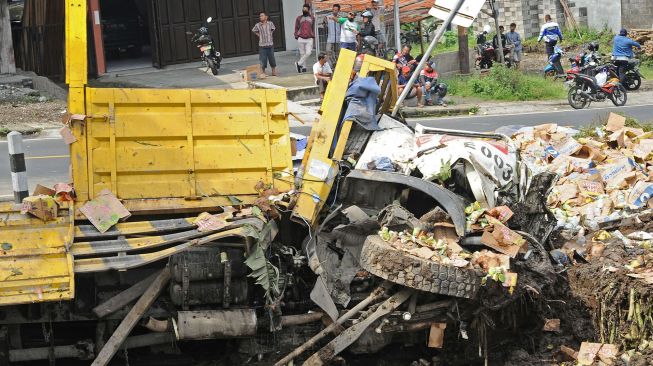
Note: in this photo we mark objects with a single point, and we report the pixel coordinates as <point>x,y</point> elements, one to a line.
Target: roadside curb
<point>414,112</point>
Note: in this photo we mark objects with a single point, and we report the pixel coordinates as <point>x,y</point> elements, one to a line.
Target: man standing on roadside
<point>263,30</point>
<point>515,39</point>
<point>551,34</point>
<point>378,20</point>
<point>349,31</point>
<point>305,35</point>
<point>333,34</point>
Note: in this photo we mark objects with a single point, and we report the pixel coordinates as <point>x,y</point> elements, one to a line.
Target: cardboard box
<point>44,207</point>
<point>104,211</point>
<point>252,73</point>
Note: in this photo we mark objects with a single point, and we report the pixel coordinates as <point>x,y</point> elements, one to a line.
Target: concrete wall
<point>291,9</point>
<point>527,14</point>
<point>599,13</point>
<point>637,14</point>
<point>447,64</point>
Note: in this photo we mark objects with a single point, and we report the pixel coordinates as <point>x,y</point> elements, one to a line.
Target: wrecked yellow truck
<point>190,227</point>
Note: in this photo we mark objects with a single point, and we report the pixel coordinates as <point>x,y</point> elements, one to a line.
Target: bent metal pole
<point>425,57</point>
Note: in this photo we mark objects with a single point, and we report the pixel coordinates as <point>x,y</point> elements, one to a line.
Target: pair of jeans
<point>429,94</point>
<point>348,45</point>
<point>305,50</point>
<point>265,55</point>
<point>621,67</point>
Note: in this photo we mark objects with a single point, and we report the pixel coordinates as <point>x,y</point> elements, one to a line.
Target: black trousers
<point>549,47</point>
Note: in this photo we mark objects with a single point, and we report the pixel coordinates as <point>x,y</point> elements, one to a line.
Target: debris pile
<point>645,38</point>
<point>602,204</point>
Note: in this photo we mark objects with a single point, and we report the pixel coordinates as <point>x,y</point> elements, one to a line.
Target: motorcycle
<point>585,89</point>
<point>210,56</point>
<point>370,46</point>
<point>485,56</point>
<point>633,78</point>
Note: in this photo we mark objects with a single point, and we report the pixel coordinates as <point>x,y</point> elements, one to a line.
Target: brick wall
<point>637,14</point>
<point>527,14</point>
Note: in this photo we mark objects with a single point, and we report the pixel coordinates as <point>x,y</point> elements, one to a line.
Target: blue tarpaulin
<point>362,96</point>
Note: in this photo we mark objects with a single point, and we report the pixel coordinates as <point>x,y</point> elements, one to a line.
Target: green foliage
<point>581,37</point>
<point>646,67</point>
<point>4,131</point>
<point>264,273</point>
<point>502,83</point>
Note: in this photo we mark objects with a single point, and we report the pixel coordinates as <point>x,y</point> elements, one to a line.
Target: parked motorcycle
<point>585,89</point>
<point>485,56</point>
<point>210,56</point>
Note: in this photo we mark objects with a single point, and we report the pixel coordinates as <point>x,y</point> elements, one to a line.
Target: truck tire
<point>382,260</point>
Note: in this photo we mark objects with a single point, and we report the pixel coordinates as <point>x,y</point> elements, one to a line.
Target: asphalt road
<point>48,161</point>
<point>564,117</point>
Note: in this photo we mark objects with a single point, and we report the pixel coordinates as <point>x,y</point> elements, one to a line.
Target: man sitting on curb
<point>428,78</point>
<point>415,91</point>
<point>322,72</point>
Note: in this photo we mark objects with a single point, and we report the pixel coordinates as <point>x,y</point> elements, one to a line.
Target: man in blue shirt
<point>622,51</point>
<point>551,34</point>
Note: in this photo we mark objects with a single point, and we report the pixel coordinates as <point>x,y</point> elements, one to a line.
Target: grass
<point>583,36</point>
<point>646,68</point>
<point>506,84</point>
<point>4,131</point>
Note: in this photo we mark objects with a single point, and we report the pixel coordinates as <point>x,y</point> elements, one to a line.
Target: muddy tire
<point>382,260</point>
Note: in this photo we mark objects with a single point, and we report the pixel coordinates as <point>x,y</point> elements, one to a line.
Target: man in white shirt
<point>322,73</point>
<point>333,29</point>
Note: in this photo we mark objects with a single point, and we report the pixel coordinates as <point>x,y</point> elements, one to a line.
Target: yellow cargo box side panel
<point>35,265</point>
<point>181,146</point>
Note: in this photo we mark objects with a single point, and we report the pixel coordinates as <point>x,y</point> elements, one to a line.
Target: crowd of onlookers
<point>347,33</point>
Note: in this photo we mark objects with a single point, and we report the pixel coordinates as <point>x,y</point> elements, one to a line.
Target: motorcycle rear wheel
<point>576,100</point>
<point>632,81</point>
<point>215,69</point>
<point>619,96</point>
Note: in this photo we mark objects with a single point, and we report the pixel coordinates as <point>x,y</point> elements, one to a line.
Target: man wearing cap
<point>428,79</point>
<point>622,51</point>
<point>305,35</point>
<point>415,91</point>
<point>349,31</point>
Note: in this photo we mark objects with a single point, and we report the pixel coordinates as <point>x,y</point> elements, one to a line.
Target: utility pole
<point>463,50</point>
<point>7,62</point>
<point>495,13</point>
<point>397,26</point>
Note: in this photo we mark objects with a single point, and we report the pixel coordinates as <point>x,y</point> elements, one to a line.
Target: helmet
<point>368,14</point>
<point>487,29</point>
<point>372,41</point>
<point>558,50</point>
<point>442,90</point>
<point>593,46</point>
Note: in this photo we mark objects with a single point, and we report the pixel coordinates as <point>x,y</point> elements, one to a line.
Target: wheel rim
<point>619,96</point>
<point>576,99</point>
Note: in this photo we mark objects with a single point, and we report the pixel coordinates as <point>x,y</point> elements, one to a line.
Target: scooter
<point>554,67</point>
<point>585,89</point>
<point>210,56</point>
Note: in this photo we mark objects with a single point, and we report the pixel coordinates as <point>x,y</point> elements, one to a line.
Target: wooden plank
<point>122,299</point>
<point>134,315</point>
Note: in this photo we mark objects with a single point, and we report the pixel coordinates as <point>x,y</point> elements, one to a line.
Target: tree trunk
<point>7,63</point>
<point>463,50</point>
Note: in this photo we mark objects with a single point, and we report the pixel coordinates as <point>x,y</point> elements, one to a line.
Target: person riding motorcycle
<point>368,28</point>
<point>622,52</point>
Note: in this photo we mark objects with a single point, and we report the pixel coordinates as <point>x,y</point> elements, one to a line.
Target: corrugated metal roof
<point>409,10</point>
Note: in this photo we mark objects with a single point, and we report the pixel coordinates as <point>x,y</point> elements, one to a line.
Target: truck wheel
<point>382,260</point>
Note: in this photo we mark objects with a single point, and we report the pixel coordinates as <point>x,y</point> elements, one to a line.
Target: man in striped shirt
<point>263,31</point>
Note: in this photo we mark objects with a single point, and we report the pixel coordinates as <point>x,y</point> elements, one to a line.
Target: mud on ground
<point>29,117</point>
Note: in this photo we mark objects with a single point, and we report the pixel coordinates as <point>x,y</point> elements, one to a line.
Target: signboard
<point>464,18</point>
